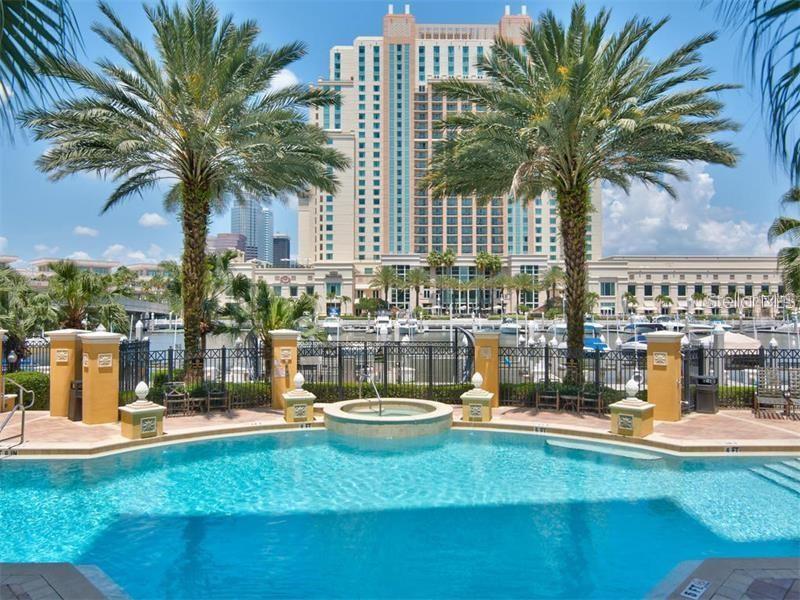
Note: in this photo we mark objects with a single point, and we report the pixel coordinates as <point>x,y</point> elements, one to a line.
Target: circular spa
<point>390,418</point>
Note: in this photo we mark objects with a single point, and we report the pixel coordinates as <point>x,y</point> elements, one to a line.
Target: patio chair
<point>591,399</point>
<point>217,399</point>
<point>570,397</point>
<point>769,393</point>
<point>176,399</point>
<point>548,396</point>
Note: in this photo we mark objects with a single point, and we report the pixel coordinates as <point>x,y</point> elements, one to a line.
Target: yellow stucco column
<point>65,367</point>
<point>664,374</point>
<point>100,372</point>
<point>284,364</point>
<point>487,362</point>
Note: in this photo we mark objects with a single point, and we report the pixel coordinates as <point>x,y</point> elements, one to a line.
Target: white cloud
<point>120,252</point>
<point>45,250</point>
<point>87,231</point>
<point>149,219</point>
<point>283,79</point>
<point>79,255</point>
<point>3,243</point>
<point>649,221</point>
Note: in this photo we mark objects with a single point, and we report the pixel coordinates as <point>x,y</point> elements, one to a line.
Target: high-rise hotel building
<point>385,124</point>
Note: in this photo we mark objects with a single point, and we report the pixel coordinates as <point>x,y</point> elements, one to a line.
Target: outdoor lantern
<point>12,357</point>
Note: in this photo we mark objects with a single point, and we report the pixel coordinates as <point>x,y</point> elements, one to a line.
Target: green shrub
<point>38,383</point>
<point>736,396</point>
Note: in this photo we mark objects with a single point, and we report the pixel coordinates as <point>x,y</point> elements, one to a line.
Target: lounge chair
<point>793,399</point>
<point>217,399</point>
<point>769,393</point>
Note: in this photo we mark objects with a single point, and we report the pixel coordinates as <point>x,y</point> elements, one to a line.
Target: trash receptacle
<point>705,394</point>
<point>75,409</point>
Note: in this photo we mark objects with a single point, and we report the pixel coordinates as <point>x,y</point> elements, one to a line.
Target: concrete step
<point>785,471</point>
<point>793,463</point>
<point>777,479</point>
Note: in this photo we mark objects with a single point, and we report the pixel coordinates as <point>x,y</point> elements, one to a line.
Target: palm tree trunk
<point>195,226</point>
<point>573,207</point>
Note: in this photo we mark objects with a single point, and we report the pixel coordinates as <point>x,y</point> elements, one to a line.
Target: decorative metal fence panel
<point>736,372</point>
<point>432,370</point>
<point>35,356</point>
<point>236,373</point>
<point>524,370</point>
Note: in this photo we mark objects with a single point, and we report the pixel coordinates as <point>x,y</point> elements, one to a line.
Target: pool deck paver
<point>734,579</point>
<point>55,581</point>
<point>737,431</point>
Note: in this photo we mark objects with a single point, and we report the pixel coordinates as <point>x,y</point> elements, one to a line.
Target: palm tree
<point>383,280</point>
<point>199,115</point>
<point>523,284</point>
<point>31,33</point>
<point>256,308</point>
<point>434,261</point>
<point>82,298</point>
<point>788,228</point>
<point>630,301</point>
<point>217,284</point>
<point>770,28</point>
<point>573,106</point>
<point>552,281</point>
<point>663,300</point>
<point>416,279</point>
<point>345,300</point>
<point>23,312</point>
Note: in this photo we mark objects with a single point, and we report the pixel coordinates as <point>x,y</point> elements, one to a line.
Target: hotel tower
<point>385,124</point>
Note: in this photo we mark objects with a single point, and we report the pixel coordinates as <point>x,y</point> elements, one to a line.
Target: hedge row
<point>38,383</point>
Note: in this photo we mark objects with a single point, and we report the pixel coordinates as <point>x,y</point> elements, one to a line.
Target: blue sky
<point>720,210</point>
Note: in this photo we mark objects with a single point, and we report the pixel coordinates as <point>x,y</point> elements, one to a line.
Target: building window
<point>648,290</point>
<point>681,291</point>
<point>607,288</point>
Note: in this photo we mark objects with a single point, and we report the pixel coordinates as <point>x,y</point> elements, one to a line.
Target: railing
<point>429,370</point>
<point>523,371</point>
<point>236,373</point>
<point>21,407</point>
<point>736,371</point>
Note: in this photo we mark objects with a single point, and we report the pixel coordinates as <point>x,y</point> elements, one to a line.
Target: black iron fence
<point>734,372</point>
<point>430,370</point>
<point>526,370</point>
<point>235,376</point>
<point>33,356</point>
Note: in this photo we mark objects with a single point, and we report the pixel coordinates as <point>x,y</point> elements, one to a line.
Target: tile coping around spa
<point>708,448</point>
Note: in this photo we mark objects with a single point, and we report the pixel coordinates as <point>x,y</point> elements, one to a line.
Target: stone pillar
<point>65,367</point>
<point>284,363</point>
<point>142,418</point>
<point>487,362</point>
<point>100,372</point>
<point>632,417</point>
<point>476,404</point>
<point>298,403</point>
<point>664,374</point>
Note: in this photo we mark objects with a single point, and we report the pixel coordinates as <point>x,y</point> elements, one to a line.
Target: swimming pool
<point>466,514</point>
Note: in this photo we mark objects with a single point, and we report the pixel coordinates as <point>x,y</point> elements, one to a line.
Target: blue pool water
<point>468,514</point>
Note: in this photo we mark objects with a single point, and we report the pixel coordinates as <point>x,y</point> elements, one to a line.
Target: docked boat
<point>636,344</point>
<point>510,327</point>
<point>637,328</point>
<point>669,323</point>
<point>408,326</point>
<point>593,340</point>
<point>383,324</point>
<point>332,325</point>
<point>699,326</point>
